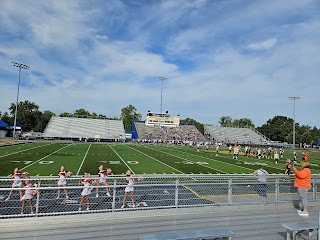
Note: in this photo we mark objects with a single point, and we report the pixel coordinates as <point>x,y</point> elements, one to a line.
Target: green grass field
<point>45,159</point>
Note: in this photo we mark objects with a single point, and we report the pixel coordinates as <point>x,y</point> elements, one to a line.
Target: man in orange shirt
<point>302,181</point>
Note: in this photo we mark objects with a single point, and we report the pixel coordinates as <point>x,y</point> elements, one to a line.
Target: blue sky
<point>237,58</point>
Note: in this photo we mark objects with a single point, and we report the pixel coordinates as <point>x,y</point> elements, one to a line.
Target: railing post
<point>314,189</point>
<point>176,202</point>
<point>277,190</point>
<point>230,191</point>
<point>114,195</point>
<point>38,198</point>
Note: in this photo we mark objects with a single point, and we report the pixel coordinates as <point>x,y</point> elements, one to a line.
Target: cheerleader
<point>288,167</point>
<point>17,182</point>
<point>128,189</point>
<point>86,191</point>
<point>63,174</point>
<point>103,174</point>
<point>28,195</point>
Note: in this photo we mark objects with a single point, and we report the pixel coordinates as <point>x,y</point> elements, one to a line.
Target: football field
<point>45,159</point>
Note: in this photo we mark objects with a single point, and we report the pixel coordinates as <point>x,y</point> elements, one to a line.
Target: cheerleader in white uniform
<point>86,191</point>
<point>27,196</point>
<point>17,181</point>
<point>103,174</point>
<point>128,189</point>
<point>63,174</point>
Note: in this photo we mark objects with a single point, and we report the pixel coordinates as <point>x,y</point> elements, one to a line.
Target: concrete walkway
<point>248,222</point>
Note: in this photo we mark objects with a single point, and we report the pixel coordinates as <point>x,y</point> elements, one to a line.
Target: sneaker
<point>133,205</point>
<point>57,197</point>
<point>31,212</point>
<point>122,206</point>
<point>88,209</point>
<point>79,209</point>
<point>21,213</point>
<point>7,199</point>
<point>67,197</point>
<point>305,214</point>
<point>108,194</point>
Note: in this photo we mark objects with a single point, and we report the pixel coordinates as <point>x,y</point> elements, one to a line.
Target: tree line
<point>279,128</point>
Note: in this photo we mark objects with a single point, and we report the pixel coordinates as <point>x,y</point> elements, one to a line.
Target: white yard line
<point>220,171</point>
<point>214,160</point>
<point>122,159</point>
<point>156,160</point>
<point>45,157</point>
<point>25,150</point>
<point>83,159</point>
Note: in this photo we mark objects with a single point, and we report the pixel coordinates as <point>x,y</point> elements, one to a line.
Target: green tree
<point>198,125</point>
<point>81,112</point>
<point>129,114</point>
<point>43,120</point>
<point>225,121</point>
<point>6,118</point>
<point>278,128</point>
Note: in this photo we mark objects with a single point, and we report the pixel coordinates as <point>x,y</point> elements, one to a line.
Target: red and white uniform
<point>130,182</point>
<point>62,178</point>
<point>16,180</point>
<point>102,176</point>
<point>27,192</point>
<point>87,188</point>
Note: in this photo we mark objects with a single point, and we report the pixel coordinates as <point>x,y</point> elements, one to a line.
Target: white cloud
<point>263,45</point>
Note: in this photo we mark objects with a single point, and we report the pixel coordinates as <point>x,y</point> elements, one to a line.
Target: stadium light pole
<point>294,99</point>
<point>20,66</point>
<point>162,79</point>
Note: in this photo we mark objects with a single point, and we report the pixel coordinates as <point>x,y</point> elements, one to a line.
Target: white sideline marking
<point>45,157</point>
<point>24,150</point>
<point>83,159</point>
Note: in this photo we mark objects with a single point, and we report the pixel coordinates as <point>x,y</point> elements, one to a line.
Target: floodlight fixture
<point>20,66</point>
<point>294,99</point>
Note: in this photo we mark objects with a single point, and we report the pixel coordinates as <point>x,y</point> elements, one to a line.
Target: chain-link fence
<point>42,196</point>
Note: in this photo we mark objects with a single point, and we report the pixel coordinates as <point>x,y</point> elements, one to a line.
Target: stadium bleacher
<point>182,132</point>
<point>86,128</point>
<point>230,135</point>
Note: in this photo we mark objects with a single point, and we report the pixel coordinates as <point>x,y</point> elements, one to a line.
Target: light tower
<point>20,66</point>
<point>294,99</point>
<point>162,79</point>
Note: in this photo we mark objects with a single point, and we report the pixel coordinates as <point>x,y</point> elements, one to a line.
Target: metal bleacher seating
<point>236,135</point>
<point>70,127</point>
<point>182,132</point>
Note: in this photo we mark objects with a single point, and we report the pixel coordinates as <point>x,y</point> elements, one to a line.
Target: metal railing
<point>150,192</point>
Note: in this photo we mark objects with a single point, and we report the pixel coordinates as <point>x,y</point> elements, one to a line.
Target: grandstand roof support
<point>162,79</point>
<point>294,99</point>
<point>20,66</point>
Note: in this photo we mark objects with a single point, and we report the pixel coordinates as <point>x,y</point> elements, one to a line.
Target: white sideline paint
<point>122,159</point>
<point>83,159</point>
<point>24,150</point>
<point>45,157</point>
